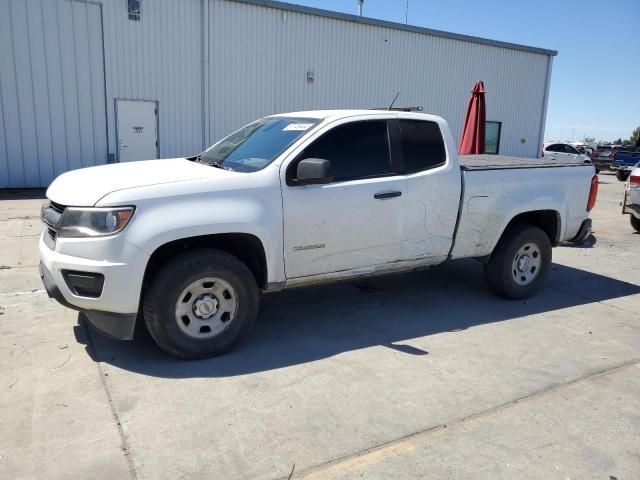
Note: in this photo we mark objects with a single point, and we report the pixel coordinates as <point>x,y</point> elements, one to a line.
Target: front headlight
<point>93,222</point>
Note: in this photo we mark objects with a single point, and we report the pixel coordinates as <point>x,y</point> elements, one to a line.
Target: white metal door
<point>349,223</point>
<point>137,130</point>
<point>342,226</point>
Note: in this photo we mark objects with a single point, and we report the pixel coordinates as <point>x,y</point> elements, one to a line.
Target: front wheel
<point>622,176</point>
<point>635,223</point>
<point>520,262</point>
<point>200,303</point>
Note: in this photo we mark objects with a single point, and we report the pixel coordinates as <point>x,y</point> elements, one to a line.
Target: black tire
<point>622,176</point>
<point>635,223</point>
<point>160,300</point>
<point>499,272</point>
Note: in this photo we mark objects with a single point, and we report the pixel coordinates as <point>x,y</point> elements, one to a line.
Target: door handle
<point>386,195</point>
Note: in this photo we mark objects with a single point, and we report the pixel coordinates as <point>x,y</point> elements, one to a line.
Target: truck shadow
<point>304,325</point>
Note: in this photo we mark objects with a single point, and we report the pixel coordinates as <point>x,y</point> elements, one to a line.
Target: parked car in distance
<point>631,202</point>
<point>565,152</point>
<point>602,157</point>
<point>188,244</point>
<point>584,148</point>
<point>623,160</point>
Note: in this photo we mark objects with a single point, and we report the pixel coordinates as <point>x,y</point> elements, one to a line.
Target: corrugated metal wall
<point>158,58</point>
<point>63,63</point>
<point>51,90</point>
<point>360,65</point>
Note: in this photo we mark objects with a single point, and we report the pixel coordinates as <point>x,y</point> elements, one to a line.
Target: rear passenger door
<point>433,189</point>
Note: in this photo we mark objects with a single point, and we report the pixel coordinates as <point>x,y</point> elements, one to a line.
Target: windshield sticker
<point>297,127</point>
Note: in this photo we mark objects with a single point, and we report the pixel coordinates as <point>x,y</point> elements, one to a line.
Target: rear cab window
<point>422,145</point>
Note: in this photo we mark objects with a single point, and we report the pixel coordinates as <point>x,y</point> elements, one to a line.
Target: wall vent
<point>134,10</point>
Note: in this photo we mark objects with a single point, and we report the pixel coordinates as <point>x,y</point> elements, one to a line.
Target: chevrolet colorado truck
<point>187,245</point>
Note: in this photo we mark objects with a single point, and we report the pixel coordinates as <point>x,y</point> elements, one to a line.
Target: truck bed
<point>496,189</point>
<point>501,162</point>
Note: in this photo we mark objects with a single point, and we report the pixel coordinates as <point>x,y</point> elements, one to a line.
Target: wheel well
<point>247,248</point>
<point>547,220</point>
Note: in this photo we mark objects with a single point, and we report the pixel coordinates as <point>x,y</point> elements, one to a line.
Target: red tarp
<point>472,140</point>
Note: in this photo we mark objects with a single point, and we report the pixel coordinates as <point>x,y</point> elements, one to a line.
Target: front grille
<point>57,207</point>
<point>51,215</point>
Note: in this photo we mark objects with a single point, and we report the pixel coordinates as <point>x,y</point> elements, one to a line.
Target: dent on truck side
<point>493,198</point>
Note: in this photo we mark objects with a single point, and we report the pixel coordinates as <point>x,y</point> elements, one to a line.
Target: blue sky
<point>595,84</point>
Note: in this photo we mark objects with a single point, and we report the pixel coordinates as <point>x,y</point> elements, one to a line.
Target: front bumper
<point>115,310</point>
<point>629,208</point>
<point>119,326</point>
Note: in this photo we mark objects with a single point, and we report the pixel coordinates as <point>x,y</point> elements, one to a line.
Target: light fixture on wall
<point>311,76</point>
<point>134,10</point>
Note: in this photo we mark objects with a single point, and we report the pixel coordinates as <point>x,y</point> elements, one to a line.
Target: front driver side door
<point>573,155</point>
<point>355,221</point>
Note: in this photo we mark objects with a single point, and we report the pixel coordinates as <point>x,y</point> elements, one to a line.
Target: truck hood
<point>86,186</point>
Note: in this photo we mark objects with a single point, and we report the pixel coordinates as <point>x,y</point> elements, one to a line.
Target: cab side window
<point>356,150</point>
<point>422,145</point>
<point>571,150</point>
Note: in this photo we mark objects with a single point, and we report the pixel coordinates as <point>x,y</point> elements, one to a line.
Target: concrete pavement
<point>423,375</point>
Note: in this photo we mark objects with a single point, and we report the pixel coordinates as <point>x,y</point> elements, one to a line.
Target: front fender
<point>256,211</point>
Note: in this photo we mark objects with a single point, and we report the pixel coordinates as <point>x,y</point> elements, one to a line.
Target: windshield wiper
<point>211,163</point>
<point>219,165</point>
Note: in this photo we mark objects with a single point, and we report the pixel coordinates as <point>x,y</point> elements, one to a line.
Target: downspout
<point>205,74</point>
<point>545,103</point>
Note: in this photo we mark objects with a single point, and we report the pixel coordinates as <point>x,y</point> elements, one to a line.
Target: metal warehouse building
<point>85,83</point>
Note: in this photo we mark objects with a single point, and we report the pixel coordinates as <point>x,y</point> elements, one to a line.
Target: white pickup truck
<point>188,244</point>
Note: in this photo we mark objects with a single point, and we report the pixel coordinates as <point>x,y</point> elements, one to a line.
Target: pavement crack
<point>396,445</point>
<point>124,444</point>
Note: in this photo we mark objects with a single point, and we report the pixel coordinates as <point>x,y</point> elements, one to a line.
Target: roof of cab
<point>345,113</point>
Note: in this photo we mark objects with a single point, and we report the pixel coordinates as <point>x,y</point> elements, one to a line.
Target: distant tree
<point>589,139</point>
<point>626,142</point>
<point>634,136</point>
<point>618,142</point>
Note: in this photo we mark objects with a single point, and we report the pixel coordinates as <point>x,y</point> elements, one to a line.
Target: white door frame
<point>116,100</point>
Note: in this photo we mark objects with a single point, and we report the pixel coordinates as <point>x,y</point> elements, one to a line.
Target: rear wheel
<point>520,262</point>
<point>200,304</point>
<point>622,176</point>
<point>635,223</point>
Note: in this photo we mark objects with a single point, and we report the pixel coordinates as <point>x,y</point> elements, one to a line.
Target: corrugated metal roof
<point>398,26</point>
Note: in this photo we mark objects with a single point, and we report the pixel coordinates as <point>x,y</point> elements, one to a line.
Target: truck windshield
<point>255,146</point>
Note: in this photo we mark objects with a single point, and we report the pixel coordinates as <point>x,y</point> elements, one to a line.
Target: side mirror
<point>313,171</point>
